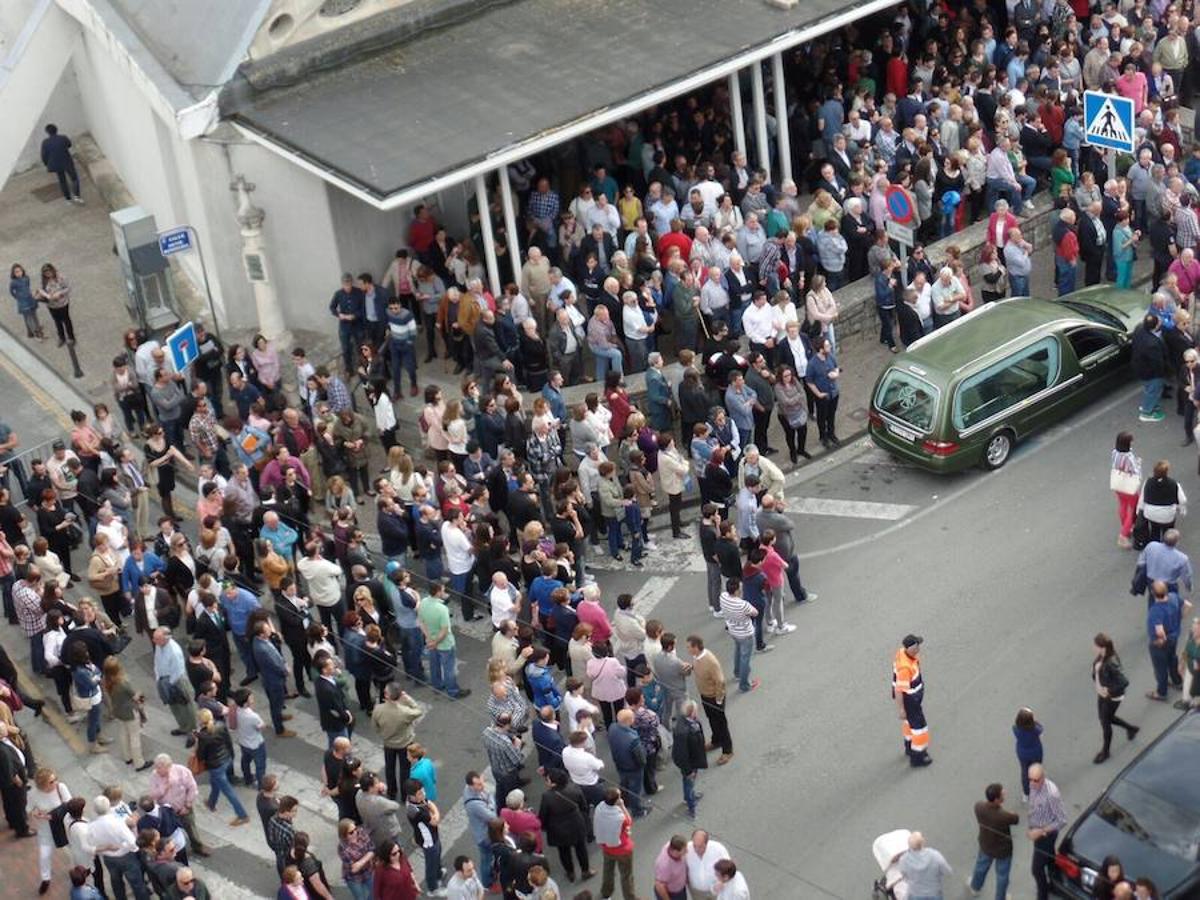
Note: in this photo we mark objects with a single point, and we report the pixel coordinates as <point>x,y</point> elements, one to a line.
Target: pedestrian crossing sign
<point>1108,121</point>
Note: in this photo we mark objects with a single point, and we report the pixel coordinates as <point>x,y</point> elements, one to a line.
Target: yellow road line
<point>44,400</point>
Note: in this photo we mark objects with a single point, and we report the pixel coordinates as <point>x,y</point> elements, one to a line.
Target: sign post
<point>180,239</point>
<point>1108,125</point>
<point>183,347</point>
<point>899,227</point>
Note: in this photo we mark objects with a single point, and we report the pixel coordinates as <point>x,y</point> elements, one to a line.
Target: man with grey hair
<point>565,344</point>
<point>174,689</point>
<point>945,294</point>
<point>1093,242</point>
<point>1066,252</point>
<point>117,846</point>
<point>688,753</point>
<point>714,299</point>
<point>659,399</point>
<point>637,331</point>
<point>751,240</point>
<point>1018,263</point>
<point>924,869</point>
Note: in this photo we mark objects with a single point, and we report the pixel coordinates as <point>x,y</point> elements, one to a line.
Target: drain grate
<point>48,194</point>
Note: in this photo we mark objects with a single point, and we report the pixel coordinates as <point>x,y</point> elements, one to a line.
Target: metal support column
<point>735,112</point>
<point>781,118</point>
<point>489,241</point>
<point>510,223</point>
<point>760,120</point>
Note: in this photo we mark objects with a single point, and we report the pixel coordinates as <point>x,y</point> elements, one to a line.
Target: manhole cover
<point>47,194</point>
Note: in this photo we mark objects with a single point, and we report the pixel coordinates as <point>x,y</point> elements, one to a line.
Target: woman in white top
<point>1125,480</point>
<point>728,216</point>
<point>246,726</point>
<point>44,797</point>
<point>785,311</point>
<point>52,642</point>
<point>823,308</point>
<point>600,418</point>
<point>455,427</point>
<point>49,564</point>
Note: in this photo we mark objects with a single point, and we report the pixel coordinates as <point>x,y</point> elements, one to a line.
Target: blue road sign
<point>183,347</point>
<point>899,204</point>
<point>176,240</point>
<point>1108,121</point>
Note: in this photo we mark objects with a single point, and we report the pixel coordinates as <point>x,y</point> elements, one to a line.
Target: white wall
<point>367,238</point>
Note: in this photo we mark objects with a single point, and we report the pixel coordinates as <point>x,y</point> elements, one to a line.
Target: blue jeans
<point>998,189</point>
<point>404,357</point>
<point>631,788</point>
<point>433,866</point>
<point>1018,285</point>
<point>1152,389</point>
<point>259,756</point>
<point>689,792</point>
<point>835,280</point>
<point>743,649</point>
<point>614,536</point>
<point>1162,658</point>
<point>984,862</point>
<point>361,890</point>
<point>37,654</point>
<point>434,568</point>
<point>1064,275</point>
<point>276,695</point>
<point>218,780</point>
<point>331,736</point>
<point>607,358</point>
<point>793,579</point>
<point>443,671</point>
<point>93,723</point>
<point>485,862</point>
<point>1025,762</point>
<point>412,646</point>
<point>126,868</point>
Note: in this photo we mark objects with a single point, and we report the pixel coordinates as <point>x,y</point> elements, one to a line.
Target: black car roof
<point>1160,770</point>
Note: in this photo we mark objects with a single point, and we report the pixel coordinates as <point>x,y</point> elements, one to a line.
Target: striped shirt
<point>1046,806</point>
<point>503,755</point>
<point>402,327</point>
<point>738,614</point>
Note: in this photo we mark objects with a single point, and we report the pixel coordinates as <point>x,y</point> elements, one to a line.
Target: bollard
<point>74,359</point>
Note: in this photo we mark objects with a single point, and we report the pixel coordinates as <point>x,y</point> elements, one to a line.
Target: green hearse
<point>966,393</point>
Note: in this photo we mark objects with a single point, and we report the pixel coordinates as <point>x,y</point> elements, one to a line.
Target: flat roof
<point>455,96</point>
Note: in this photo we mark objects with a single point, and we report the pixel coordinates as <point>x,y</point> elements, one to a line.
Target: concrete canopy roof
<point>459,96</point>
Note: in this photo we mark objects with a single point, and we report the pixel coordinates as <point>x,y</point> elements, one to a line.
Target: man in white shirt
<point>460,558</point>
<point>505,601</point>
<point>703,853</point>
<point>714,299</point>
<point>637,332</point>
<point>584,767</point>
<point>605,215</point>
<point>326,584</point>
<point>760,324</point>
<point>117,846</point>
<point>559,285</point>
<point>945,294</point>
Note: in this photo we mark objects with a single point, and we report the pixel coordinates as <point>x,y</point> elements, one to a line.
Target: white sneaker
<point>717,614</point>
<point>773,626</point>
<point>971,888</point>
<point>650,545</point>
<point>785,628</point>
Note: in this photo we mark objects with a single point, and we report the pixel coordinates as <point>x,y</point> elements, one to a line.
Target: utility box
<point>147,274</point>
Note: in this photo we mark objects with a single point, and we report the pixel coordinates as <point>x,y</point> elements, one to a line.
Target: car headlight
<point>1087,878</point>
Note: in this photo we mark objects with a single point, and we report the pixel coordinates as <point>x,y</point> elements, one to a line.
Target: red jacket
<point>897,76</point>
<point>993,234</point>
<point>1067,248</point>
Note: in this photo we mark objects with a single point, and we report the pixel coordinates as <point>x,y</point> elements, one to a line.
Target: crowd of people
<point>672,246</point>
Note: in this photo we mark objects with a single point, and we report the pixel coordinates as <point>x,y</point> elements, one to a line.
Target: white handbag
<point>1124,482</point>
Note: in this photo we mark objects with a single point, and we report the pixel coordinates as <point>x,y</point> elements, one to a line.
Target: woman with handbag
<point>127,713</point>
<point>1125,480</point>
<point>1110,682</point>
<point>791,406</point>
<point>85,695</point>
<point>45,796</point>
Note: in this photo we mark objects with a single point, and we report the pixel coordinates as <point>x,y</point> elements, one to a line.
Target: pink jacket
<point>608,678</point>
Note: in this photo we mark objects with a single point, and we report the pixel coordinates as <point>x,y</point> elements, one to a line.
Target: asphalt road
<point>1007,575</point>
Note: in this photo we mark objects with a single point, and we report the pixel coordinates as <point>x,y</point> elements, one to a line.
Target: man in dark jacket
<point>688,752</point>
<point>1149,362</point>
<point>548,740</point>
<point>629,758</point>
<point>1093,242</point>
<point>393,530</point>
<point>56,156</point>
<point>489,355</point>
<point>336,719</point>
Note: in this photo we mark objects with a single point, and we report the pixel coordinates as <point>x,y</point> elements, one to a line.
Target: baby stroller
<point>887,850</point>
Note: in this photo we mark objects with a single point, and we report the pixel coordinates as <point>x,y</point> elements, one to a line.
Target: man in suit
<point>839,158</point>
<point>599,243</point>
<point>1093,242</point>
<point>56,156</point>
<point>336,720</point>
<point>213,628</point>
<point>831,182</point>
<point>13,780</point>
<point>274,676</point>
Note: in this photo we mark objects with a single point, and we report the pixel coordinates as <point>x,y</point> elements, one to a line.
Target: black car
<point>1149,818</point>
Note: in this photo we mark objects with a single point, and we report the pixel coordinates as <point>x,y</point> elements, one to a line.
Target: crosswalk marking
<point>850,509</point>
<point>655,588</point>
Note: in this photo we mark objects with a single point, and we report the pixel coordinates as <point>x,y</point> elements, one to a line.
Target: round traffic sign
<point>899,204</point>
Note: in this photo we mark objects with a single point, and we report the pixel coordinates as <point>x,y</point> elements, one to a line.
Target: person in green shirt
<point>439,641</point>
<point>1060,172</point>
<point>1191,668</point>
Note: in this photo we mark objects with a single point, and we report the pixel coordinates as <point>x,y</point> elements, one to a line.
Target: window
<point>1088,342</point>
<point>908,398</point>
<point>1002,386</point>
